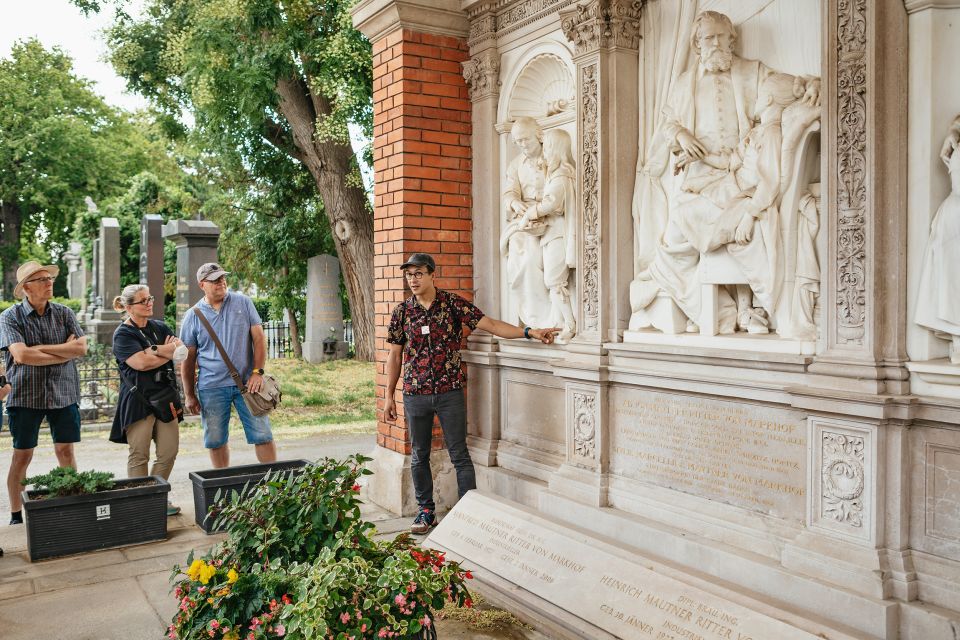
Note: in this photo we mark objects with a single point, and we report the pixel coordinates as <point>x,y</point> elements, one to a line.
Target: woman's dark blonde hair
<point>125,299</point>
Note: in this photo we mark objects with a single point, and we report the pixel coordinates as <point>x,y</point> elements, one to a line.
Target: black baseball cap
<point>420,260</point>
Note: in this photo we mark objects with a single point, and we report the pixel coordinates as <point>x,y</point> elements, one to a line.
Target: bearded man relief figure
<point>539,239</point>
<point>734,127</point>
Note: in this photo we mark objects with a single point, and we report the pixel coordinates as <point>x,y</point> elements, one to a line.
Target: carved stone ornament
<point>482,74</point>
<point>589,159</point>
<point>842,478</point>
<point>599,24</point>
<point>584,424</point>
<point>851,170</point>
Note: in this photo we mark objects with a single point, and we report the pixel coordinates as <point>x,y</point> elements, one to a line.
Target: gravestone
<point>92,304</point>
<point>105,319</point>
<point>324,310</point>
<point>151,260</point>
<point>196,242</point>
<point>76,272</point>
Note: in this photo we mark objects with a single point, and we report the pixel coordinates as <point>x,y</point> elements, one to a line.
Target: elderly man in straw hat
<point>41,340</point>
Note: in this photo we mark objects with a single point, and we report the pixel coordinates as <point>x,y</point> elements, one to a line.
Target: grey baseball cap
<point>420,260</point>
<point>210,271</point>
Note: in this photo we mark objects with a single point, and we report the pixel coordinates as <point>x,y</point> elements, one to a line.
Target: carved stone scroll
<point>585,425</point>
<point>482,74</point>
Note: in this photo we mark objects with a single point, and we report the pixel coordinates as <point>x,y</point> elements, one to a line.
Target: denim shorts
<point>25,425</point>
<point>215,417</point>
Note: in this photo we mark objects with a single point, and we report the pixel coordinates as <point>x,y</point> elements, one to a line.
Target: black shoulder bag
<point>162,398</point>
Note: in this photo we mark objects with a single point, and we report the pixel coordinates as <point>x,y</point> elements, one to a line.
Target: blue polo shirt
<point>232,324</point>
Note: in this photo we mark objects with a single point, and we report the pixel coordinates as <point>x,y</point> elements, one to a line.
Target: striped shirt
<point>53,386</point>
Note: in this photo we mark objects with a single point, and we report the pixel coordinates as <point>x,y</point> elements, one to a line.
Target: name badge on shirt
<point>425,330</point>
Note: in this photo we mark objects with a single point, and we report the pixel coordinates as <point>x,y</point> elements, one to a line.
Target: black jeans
<point>452,411</point>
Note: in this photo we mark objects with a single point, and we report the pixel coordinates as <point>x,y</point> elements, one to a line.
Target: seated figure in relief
<point>723,124</point>
<point>938,302</point>
<point>537,240</point>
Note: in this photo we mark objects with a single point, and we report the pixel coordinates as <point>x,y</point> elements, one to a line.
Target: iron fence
<point>99,383</point>
<point>279,344</point>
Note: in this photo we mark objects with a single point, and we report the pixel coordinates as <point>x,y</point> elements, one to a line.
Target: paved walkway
<point>123,594</point>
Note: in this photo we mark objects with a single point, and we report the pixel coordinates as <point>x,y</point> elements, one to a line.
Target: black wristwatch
<point>259,372</point>
<point>154,348</point>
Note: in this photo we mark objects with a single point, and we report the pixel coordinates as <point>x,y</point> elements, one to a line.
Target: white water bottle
<point>180,354</point>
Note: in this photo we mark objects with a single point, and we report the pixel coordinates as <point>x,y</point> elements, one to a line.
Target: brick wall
<point>422,177</point>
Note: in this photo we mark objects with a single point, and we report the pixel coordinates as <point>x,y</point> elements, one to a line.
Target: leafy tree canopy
<point>270,87</point>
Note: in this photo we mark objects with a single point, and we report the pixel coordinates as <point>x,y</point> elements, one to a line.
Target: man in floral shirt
<point>425,333</point>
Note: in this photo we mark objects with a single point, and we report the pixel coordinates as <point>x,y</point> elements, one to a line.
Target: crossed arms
<point>44,355</point>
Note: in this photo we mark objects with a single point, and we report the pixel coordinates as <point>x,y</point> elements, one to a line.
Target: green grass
<point>339,392</point>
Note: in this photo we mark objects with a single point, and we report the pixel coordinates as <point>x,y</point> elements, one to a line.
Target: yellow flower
<point>209,600</point>
<point>232,576</point>
<point>206,572</point>
<point>195,568</point>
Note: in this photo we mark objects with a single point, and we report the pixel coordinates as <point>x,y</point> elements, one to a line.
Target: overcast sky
<point>59,23</point>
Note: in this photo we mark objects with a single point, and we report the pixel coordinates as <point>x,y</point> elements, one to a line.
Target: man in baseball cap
<point>425,335</point>
<point>240,330</point>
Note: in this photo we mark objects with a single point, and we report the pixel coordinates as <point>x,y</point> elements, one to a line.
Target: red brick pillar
<point>422,180</point>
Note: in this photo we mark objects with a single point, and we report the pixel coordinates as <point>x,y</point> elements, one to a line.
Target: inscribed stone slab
<point>570,570</point>
<point>742,454</point>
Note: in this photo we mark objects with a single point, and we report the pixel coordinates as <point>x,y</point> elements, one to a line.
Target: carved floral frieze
<point>590,203</point>
<point>842,478</point>
<point>584,425</point>
<point>851,271</point>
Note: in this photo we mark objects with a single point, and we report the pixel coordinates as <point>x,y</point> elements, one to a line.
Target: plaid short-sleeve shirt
<point>431,341</point>
<point>51,387</point>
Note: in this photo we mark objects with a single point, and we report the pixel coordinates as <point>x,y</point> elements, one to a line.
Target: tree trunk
<point>10,223</point>
<point>347,208</point>
<point>295,334</point>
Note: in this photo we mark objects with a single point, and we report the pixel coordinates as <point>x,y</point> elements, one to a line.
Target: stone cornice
<point>377,18</point>
<point>914,6</point>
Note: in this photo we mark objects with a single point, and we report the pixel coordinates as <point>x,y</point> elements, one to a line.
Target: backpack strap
<point>223,352</point>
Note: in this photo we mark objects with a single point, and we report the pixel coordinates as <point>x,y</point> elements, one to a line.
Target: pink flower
<point>280,630</point>
<point>400,599</point>
<point>344,617</point>
<point>426,621</point>
<point>412,587</point>
<point>214,624</point>
<point>356,488</point>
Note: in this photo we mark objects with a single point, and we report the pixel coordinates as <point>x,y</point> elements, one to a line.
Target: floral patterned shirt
<point>431,341</point>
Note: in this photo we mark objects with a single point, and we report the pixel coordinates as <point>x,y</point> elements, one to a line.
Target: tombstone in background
<point>76,272</point>
<point>151,260</point>
<point>196,242</point>
<point>107,264</point>
<point>92,305</point>
<point>324,338</point>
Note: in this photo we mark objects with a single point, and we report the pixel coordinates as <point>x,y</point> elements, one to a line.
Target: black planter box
<point>229,480</point>
<point>74,524</point>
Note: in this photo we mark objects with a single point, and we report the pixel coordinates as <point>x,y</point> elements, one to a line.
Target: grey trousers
<point>451,408</point>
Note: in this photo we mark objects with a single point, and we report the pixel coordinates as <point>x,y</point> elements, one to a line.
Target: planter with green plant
<point>300,563</point>
<point>71,512</point>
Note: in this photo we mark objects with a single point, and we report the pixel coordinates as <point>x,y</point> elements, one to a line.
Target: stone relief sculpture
<point>938,302</point>
<point>539,238</point>
<point>739,132</point>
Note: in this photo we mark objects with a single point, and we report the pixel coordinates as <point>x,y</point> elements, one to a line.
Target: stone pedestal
<point>104,319</point>
<point>76,271</point>
<point>324,310</point>
<point>196,242</point>
<point>151,260</point>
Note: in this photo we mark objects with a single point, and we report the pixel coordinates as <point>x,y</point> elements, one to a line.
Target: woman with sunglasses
<point>149,408</point>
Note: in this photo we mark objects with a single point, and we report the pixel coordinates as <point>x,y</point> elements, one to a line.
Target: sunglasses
<point>145,301</point>
<point>43,279</point>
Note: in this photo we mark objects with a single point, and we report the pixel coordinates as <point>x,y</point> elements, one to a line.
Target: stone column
<point>324,309</point>
<point>422,191</point>
<point>105,319</point>
<point>151,260</point>
<point>92,299</point>
<point>606,36</point>
<point>482,74</point>
<point>196,242</point>
<point>865,117</point>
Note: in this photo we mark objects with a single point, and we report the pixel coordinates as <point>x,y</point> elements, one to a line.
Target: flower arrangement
<point>300,563</point>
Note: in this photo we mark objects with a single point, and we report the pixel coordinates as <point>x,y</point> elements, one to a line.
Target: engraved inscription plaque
<point>744,455</point>
<point>622,594</point>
